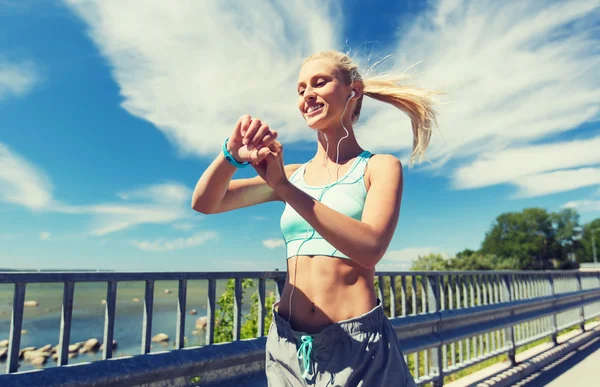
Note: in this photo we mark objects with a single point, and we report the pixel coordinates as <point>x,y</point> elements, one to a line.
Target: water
<point>42,323</point>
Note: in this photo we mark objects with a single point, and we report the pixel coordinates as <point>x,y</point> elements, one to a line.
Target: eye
<point>320,83</point>
<point>300,92</point>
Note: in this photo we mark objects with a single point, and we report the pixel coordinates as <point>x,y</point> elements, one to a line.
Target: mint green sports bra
<point>346,196</point>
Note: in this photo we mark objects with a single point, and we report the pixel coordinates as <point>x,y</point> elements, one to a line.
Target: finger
<point>254,126</point>
<point>260,133</point>
<point>245,122</point>
<point>258,155</point>
<point>237,130</point>
<point>275,146</point>
<point>268,139</point>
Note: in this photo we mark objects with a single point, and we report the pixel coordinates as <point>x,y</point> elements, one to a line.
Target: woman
<point>341,211</point>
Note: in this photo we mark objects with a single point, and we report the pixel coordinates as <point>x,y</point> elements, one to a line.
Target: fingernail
<point>250,147</point>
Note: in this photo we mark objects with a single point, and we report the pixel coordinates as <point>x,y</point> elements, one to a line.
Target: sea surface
<point>42,323</point>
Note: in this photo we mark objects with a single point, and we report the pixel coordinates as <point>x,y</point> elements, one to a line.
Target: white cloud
<point>162,245</point>
<point>21,182</point>
<point>515,164</point>
<point>558,181</point>
<point>273,243</point>
<point>45,235</point>
<point>24,184</point>
<point>193,67</point>
<point>398,260</point>
<point>410,254</point>
<point>17,79</point>
<point>586,205</point>
<point>515,73</point>
<point>183,226</point>
<point>153,204</point>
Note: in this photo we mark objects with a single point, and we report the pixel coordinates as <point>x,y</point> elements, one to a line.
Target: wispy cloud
<point>193,79</point>
<point>586,205</point>
<point>23,183</point>
<point>516,73</point>
<point>403,259</point>
<point>45,235</point>
<point>536,169</point>
<point>162,245</point>
<point>183,226</point>
<point>17,79</point>
<point>154,204</point>
<point>273,243</point>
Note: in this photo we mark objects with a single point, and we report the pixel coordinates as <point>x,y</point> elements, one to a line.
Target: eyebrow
<point>318,75</point>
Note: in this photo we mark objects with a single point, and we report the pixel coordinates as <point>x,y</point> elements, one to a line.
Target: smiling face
<point>322,95</point>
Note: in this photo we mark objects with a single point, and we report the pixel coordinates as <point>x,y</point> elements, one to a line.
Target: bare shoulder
<point>291,168</point>
<point>384,167</point>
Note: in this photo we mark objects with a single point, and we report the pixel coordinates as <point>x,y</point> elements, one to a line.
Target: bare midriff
<point>327,290</point>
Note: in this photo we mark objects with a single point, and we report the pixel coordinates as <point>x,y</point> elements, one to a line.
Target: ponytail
<point>414,102</point>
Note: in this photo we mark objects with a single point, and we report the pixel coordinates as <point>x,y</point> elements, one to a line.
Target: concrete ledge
<point>214,365</point>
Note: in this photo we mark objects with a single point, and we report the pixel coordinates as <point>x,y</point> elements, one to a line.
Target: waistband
<point>366,323</point>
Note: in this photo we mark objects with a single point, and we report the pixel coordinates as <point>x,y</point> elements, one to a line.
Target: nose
<point>309,94</point>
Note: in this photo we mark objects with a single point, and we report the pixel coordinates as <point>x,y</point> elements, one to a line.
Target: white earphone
<point>352,94</point>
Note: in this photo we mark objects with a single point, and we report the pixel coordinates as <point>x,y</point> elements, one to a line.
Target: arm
<point>215,191</point>
<point>367,240</point>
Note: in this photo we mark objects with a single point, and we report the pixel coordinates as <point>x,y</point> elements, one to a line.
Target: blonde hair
<point>416,103</point>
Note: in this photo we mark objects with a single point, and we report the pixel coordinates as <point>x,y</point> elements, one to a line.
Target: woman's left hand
<point>271,168</point>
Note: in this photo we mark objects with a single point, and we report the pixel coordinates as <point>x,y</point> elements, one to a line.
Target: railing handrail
<point>105,276</point>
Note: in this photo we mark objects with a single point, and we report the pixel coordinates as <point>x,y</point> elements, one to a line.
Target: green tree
<point>224,315</point>
<point>474,261</point>
<point>528,236</point>
<point>430,262</point>
<point>584,252</point>
<point>250,327</point>
<point>568,231</point>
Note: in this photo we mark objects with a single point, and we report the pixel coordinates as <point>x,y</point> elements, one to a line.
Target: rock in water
<point>92,344</point>
<point>160,338</point>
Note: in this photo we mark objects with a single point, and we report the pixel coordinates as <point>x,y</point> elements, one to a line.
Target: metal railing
<point>445,321</point>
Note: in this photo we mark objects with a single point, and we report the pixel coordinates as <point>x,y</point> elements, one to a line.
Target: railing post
<point>16,325</point>
<point>210,311</point>
<point>181,308</point>
<point>237,309</point>
<point>280,284</point>
<point>433,300</point>
<point>554,322</point>
<point>581,310</point>
<point>65,323</point>
<point>380,292</point>
<point>261,308</point>
<point>392,296</point>
<point>509,332</point>
<point>147,320</point>
<point>109,319</point>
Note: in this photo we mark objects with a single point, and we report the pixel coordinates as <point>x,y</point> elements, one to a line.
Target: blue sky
<point>110,112</point>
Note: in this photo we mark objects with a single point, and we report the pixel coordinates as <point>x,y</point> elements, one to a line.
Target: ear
<point>357,90</point>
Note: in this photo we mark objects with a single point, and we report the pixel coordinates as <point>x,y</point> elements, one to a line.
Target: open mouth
<point>314,109</point>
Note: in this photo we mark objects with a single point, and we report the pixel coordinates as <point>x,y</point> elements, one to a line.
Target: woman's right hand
<point>250,140</point>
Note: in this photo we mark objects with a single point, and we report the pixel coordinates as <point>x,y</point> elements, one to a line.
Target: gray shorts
<point>361,351</point>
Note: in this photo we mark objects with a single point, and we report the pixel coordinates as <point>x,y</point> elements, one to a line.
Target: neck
<point>348,145</point>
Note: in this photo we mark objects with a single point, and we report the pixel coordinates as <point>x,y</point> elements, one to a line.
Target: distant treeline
<point>533,239</point>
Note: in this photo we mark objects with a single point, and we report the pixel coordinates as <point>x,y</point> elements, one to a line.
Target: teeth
<point>313,108</point>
